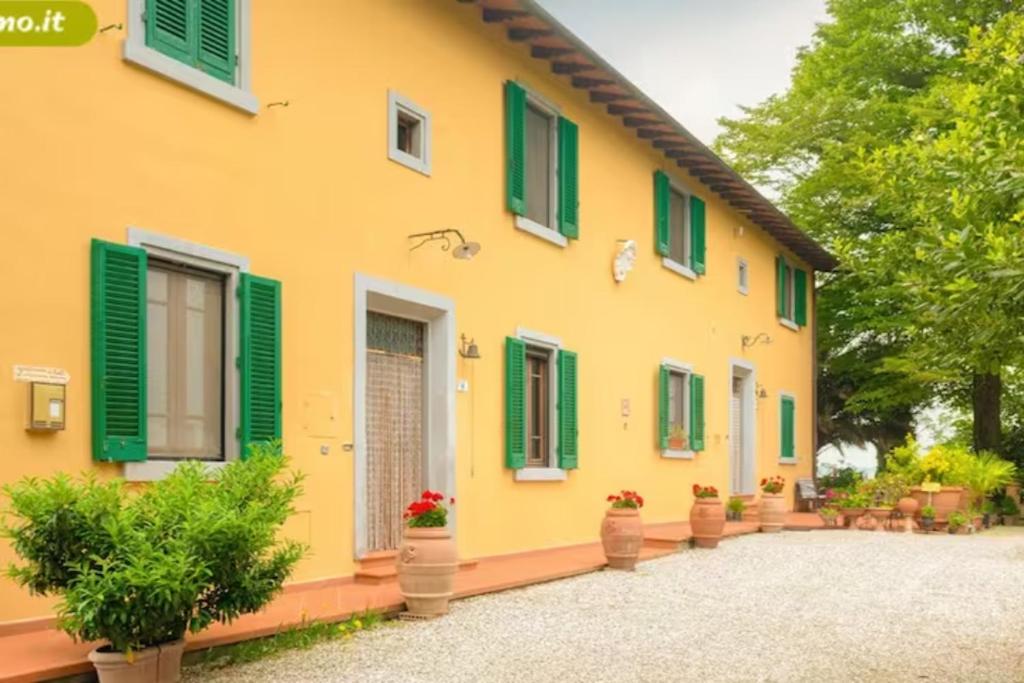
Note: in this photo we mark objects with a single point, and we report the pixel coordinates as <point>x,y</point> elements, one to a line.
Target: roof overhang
<point>527,22</point>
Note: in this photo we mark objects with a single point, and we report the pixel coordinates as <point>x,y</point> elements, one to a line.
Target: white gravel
<point>796,606</point>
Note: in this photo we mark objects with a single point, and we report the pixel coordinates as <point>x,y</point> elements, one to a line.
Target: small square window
<point>408,133</point>
<point>742,276</point>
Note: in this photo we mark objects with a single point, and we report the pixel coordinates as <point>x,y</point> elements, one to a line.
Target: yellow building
<point>208,220</point>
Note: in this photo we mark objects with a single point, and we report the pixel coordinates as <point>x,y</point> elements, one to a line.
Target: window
<point>679,227</point>
<point>790,294</point>
<point>409,133</point>
<point>680,410</point>
<point>185,377</point>
<point>787,428</point>
<point>542,150</point>
<point>742,276</point>
<point>541,426</point>
<point>203,44</point>
<point>186,354</point>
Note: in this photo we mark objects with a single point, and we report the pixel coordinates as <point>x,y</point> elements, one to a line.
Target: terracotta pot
<point>427,562</point>
<point>907,506</point>
<point>773,512</point>
<point>1013,492</point>
<point>850,516</point>
<point>927,523</point>
<point>169,661</point>
<point>157,664</point>
<point>707,519</point>
<point>978,522</point>
<point>622,535</point>
<point>946,500</point>
<point>920,496</point>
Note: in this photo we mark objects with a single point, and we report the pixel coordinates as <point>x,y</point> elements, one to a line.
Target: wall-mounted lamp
<point>465,250</point>
<point>469,349</point>
<point>761,391</point>
<point>747,341</point>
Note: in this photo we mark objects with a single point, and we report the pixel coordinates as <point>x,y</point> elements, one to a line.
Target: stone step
<point>379,573</point>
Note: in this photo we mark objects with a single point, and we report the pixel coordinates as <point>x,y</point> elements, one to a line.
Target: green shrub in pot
<point>142,567</point>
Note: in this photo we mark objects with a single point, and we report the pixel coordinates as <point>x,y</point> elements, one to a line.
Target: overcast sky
<point>699,59</point>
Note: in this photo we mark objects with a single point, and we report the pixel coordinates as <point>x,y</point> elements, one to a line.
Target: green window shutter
<point>216,38</point>
<point>568,178</point>
<point>786,437</point>
<point>515,403</point>
<point>663,378</point>
<point>260,361</point>
<point>170,28</point>
<point>698,234</point>
<point>515,147</point>
<point>697,412</point>
<point>781,300</point>
<point>118,293</point>
<point>568,424</point>
<point>800,296</point>
<point>662,201</point>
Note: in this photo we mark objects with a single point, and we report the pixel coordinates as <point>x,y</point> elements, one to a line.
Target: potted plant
<point>830,516</point>
<point>622,531</point>
<point>957,522</point>
<point>139,568</point>
<point>1010,511</point>
<point>427,559</point>
<point>677,439</point>
<point>989,514</point>
<point>928,518</point>
<point>773,504</point>
<point>707,517</point>
<point>853,505</point>
<point>734,509</point>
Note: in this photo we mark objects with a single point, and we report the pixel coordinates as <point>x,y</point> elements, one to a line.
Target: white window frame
<point>231,266</point>
<point>680,368</point>
<point>545,232</point>
<point>795,459</point>
<point>238,95</point>
<point>668,262</point>
<point>399,104</point>
<point>742,276</point>
<point>552,345</point>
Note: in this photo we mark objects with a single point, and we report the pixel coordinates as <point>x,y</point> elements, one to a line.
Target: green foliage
<point>840,479</point>
<point>1009,507</point>
<point>301,637</point>
<point>143,567</point>
<point>736,506</point>
<point>928,512</point>
<point>956,519</point>
<point>986,473</point>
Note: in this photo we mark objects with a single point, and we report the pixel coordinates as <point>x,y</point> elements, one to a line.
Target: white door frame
<point>438,313</point>
<point>746,372</point>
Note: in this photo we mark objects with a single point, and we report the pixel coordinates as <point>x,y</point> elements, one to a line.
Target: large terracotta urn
<point>157,664</point>
<point>427,562</point>
<point>907,506</point>
<point>773,512</point>
<point>622,535</point>
<point>707,520</point>
<point>945,500</point>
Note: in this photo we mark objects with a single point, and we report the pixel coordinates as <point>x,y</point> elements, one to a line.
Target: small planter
<point>677,444</point>
<point>158,664</point>
<point>707,520</point>
<point>773,512</point>
<point>928,523</point>
<point>830,520</point>
<point>850,517</point>
<point>881,515</point>
<point>622,534</point>
<point>427,562</point>
<point>978,522</point>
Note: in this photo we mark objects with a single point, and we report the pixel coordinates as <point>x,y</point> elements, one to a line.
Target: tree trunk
<point>988,425</point>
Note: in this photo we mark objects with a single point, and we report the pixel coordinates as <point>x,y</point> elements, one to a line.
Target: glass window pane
<point>678,237</point>
<point>156,358</point>
<point>539,144</point>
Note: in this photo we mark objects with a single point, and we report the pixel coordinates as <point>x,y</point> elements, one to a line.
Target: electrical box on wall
<point>46,407</point>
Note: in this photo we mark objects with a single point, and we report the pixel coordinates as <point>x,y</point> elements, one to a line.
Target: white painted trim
<point>748,372</point>
<point>552,345</point>
<point>677,455</point>
<point>155,470</point>
<point>742,268</point>
<point>542,231</point>
<point>239,96</point>
<point>540,101</point>
<point>541,474</point>
<point>538,338</point>
<point>789,324</point>
<point>230,265</point>
<point>792,397</point>
<point>552,110</point>
<point>790,461</point>
<point>677,365</point>
<point>678,268</point>
<point>398,103</point>
<point>438,312</point>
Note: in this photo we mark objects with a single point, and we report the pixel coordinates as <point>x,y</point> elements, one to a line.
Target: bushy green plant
<point>1009,507</point>
<point>143,567</point>
<point>986,473</point>
<point>736,506</point>
<point>957,519</point>
<point>840,478</point>
<point>928,512</point>
<point>947,464</point>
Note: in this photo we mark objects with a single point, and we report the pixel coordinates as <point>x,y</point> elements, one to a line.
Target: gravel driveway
<point>796,606</point>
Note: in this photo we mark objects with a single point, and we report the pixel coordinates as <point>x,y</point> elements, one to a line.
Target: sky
<point>699,59</point>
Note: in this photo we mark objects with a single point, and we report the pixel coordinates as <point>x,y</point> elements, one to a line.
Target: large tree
<point>872,88</point>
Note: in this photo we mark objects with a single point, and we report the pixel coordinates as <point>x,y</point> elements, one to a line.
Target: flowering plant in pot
<point>773,505</point>
<point>427,559</point>
<point>622,531</point>
<point>141,568</point>
<point>829,515</point>
<point>707,517</point>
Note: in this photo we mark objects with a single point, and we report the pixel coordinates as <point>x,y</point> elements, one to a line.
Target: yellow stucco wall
<point>92,145</point>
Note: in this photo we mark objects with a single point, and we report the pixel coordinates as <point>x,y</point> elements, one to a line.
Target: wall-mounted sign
<point>931,487</point>
<point>37,373</point>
